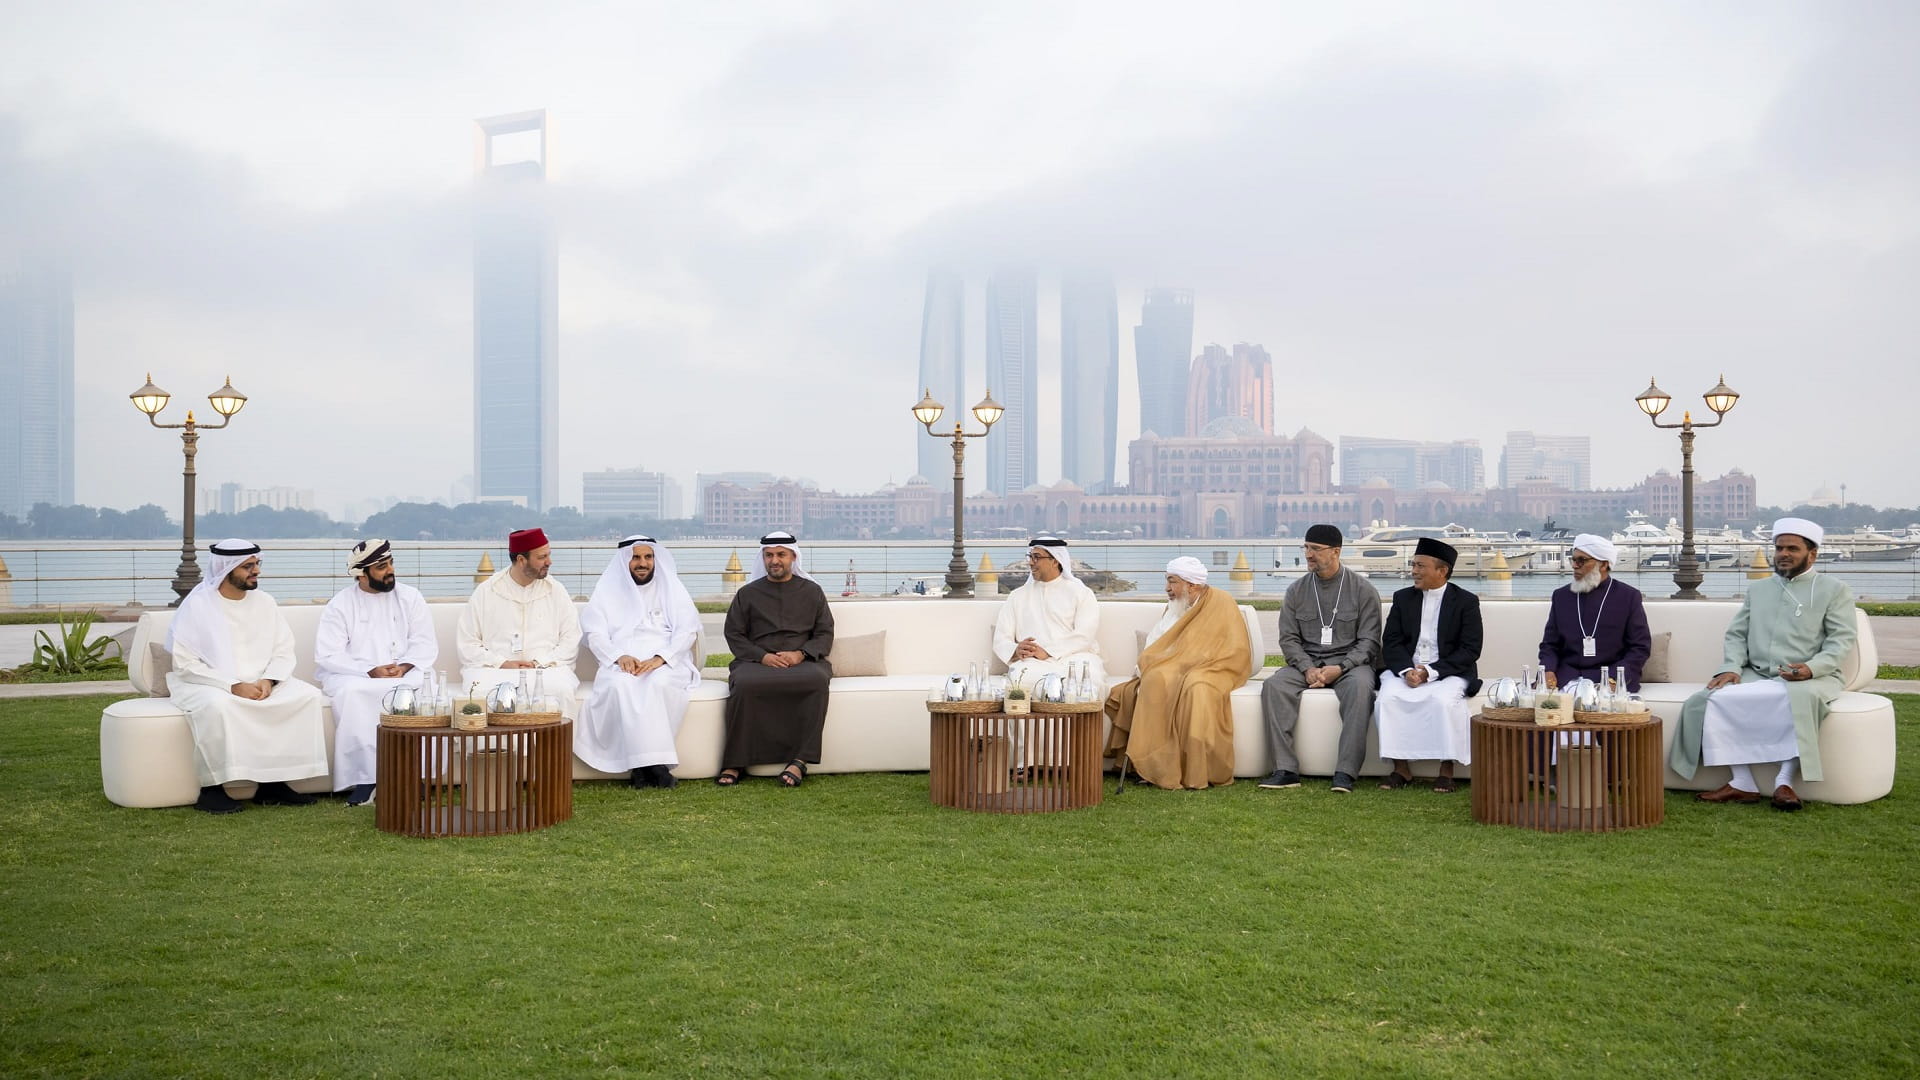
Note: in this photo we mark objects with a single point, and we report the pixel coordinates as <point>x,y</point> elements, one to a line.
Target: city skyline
<point>1089,378</point>
<point>1510,219</point>
<point>36,369</point>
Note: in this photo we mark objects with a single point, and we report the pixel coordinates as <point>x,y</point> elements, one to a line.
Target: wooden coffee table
<point>1001,763</point>
<point>1600,778</point>
<point>444,782</point>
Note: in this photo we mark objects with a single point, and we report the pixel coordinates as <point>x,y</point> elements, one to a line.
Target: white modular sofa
<point>878,722</point>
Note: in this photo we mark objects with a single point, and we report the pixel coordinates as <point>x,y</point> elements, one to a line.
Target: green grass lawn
<point>851,929</point>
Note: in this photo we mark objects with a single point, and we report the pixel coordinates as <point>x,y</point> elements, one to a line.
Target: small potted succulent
<point>1017,700</point>
<point>1553,706</point>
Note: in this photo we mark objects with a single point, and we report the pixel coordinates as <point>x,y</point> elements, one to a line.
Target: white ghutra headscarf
<point>200,624</point>
<point>1052,546</point>
<point>777,539</point>
<point>618,603</point>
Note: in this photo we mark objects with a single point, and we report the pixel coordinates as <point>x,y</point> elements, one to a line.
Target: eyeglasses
<point>1579,560</point>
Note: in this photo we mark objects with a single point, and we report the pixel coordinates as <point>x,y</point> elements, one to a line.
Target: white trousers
<point>1748,723</point>
<point>1429,722</point>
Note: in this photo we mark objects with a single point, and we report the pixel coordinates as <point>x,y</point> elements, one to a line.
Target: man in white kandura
<point>1780,675</point>
<point>641,625</point>
<point>521,622</point>
<point>233,676</point>
<point>374,635</point>
<point>1051,622</point>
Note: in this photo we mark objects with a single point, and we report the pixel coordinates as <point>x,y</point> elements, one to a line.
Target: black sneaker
<point>361,795</point>
<point>1342,783</point>
<point>277,793</point>
<point>215,800</point>
<point>1282,778</point>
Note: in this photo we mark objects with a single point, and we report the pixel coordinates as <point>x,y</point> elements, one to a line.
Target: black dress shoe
<point>663,776</point>
<point>215,800</point>
<point>277,793</point>
<point>640,777</point>
<point>361,795</point>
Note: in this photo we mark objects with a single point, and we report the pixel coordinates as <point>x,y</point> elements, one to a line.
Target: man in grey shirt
<point>1330,635</point>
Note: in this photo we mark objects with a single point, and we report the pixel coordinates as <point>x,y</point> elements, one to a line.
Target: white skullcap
<point>1799,527</point>
<point>1597,546</point>
<point>1188,568</point>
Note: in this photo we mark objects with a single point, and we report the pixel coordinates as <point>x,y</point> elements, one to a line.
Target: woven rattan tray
<point>430,720</point>
<point>1061,708</point>
<point>521,719</point>
<point>963,707</point>
<point>1610,717</point>
<point>1491,713</point>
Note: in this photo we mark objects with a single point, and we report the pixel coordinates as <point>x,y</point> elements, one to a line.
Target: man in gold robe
<point>1174,720</point>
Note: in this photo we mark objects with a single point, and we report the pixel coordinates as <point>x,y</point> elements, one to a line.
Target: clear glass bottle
<point>973,681</point>
<point>541,702</point>
<point>520,703</point>
<point>1529,693</point>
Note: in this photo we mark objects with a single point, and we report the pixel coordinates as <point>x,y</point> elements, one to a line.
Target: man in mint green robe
<point>1784,649</point>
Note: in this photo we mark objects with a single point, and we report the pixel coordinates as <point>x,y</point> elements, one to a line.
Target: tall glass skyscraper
<point>1163,353</point>
<point>943,370</point>
<point>516,340</point>
<point>36,374</point>
<point>1089,379</point>
<point>1013,446</point>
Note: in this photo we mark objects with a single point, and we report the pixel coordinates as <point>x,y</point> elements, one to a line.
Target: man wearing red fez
<point>521,622</point>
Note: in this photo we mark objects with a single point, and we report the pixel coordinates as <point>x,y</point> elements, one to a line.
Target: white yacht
<point>1387,550</point>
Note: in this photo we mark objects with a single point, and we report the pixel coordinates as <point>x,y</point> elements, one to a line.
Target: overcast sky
<point>1443,221</point>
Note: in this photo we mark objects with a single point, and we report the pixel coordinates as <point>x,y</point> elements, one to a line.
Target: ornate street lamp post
<point>988,412</point>
<point>226,401</point>
<point>1653,401</point>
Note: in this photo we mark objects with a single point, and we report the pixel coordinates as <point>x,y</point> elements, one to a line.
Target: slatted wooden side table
<point>999,763</point>
<point>443,782</point>
<point>1569,777</point>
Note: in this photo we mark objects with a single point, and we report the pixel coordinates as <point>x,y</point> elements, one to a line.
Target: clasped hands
<point>1415,676</point>
<point>1322,676</point>
<point>1029,649</point>
<point>1786,672</point>
<point>389,671</point>
<point>252,691</point>
<point>790,658</point>
<point>640,667</point>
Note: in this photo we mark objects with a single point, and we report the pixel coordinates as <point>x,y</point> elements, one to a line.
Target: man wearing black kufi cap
<point>1432,654</point>
<point>1330,635</point>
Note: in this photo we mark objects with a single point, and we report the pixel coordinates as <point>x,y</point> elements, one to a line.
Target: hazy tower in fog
<point>516,341</point>
<point>1089,379</point>
<point>942,368</point>
<point>36,371</point>
<point>1162,353</point>
<point>1013,446</point>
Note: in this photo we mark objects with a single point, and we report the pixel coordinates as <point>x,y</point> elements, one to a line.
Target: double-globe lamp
<point>1653,401</point>
<point>226,401</point>
<point>988,412</point>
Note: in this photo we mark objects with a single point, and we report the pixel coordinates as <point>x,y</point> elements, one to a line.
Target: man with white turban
<point>1051,622</point>
<point>1174,720</point>
<point>1781,672</point>
<point>1595,624</point>
<point>780,629</point>
<point>641,626</point>
<point>1330,636</point>
<point>374,635</point>
<point>521,623</point>
<point>233,676</point>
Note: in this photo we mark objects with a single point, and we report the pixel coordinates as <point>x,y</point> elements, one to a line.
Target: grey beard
<point>1587,582</point>
<point>1179,605</point>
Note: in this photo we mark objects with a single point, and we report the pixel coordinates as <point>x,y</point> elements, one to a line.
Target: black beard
<point>378,585</point>
<point>640,578</point>
<point>244,585</point>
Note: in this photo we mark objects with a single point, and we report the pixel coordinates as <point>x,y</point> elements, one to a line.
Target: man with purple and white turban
<point>1781,672</point>
<point>374,635</point>
<point>233,677</point>
<point>1595,624</point>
